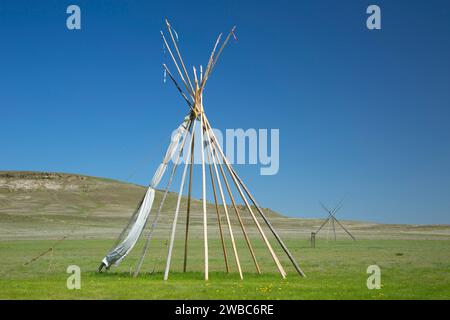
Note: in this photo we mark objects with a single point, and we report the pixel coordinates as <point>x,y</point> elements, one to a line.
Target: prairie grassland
<point>410,269</point>
<point>36,209</point>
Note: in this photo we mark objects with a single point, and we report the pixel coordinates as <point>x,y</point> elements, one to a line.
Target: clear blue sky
<point>362,114</point>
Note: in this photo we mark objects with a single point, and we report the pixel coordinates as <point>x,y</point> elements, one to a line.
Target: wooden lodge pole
<point>280,241</point>
<point>272,252</point>
<point>174,223</point>
<point>218,213</point>
<point>236,256</point>
<point>188,205</point>
<point>236,210</point>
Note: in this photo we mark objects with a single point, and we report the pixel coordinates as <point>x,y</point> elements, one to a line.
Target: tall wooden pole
<point>272,252</point>
<point>169,27</point>
<point>205,222</point>
<point>198,105</point>
<point>334,229</point>
<point>282,244</point>
<point>321,226</point>
<point>274,232</point>
<point>236,210</point>
<point>351,236</point>
<point>177,86</point>
<point>188,204</point>
<point>175,218</point>
<point>216,57</point>
<point>218,213</point>
<point>191,93</point>
<point>210,61</point>
<point>230,230</point>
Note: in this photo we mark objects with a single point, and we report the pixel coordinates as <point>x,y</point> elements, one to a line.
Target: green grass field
<point>36,209</point>
<point>409,270</point>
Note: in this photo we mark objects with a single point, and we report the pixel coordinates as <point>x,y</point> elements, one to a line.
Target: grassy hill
<point>41,205</point>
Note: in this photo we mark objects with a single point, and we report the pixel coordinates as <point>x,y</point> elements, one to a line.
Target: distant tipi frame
<point>332,221</point>
<point>219,168</point>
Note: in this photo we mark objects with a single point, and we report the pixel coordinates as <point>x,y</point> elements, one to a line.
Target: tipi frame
<point>332,221</point>
<point>219,169</point>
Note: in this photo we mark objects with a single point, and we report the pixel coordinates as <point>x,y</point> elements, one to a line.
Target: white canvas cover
<point>116,255</point>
